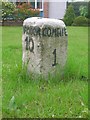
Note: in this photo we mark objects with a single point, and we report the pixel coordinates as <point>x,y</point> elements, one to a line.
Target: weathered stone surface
<point>44,44</point>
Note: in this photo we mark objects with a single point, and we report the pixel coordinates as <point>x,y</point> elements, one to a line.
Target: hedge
<point>81,21</point>
<point>76,6</point>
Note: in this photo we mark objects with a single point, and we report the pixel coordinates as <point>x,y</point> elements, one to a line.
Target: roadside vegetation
<point>77,14</point>
<point>59,97</point>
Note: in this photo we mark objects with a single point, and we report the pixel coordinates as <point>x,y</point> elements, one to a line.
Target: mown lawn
<point>25,97</point>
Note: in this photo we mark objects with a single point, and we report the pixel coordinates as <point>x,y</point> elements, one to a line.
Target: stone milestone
<point>44,45</point>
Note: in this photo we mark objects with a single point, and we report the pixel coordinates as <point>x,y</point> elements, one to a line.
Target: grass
<point>0,72</point>
<point>25,97</point>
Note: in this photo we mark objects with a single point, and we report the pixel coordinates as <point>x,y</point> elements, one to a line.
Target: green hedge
<point>80,21</point>
<point>76,6</point>
<point>69,15</point>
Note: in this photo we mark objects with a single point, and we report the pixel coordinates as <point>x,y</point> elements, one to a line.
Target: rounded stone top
<point>41,22</point>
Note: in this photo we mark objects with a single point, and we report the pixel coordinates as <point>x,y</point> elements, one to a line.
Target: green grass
<point>24,96</point>
<point>0,72</point>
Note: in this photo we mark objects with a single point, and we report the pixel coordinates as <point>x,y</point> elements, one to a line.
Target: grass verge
<point>58,97</point>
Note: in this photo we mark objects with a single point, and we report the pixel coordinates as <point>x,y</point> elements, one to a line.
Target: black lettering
<point>65,32</point>
<point>44,31</point>
<point>62,32</point>
<point>34,31</point>
<point>59,32</point>
<point>24,29</point>
<point>27,43</point>
<point>27,30</point>
<point>31,30</point>
<point>49,32</point>
<point>37,30</point>
<point>31,44</point>
<point>54,53</point>
<point>54,32</point>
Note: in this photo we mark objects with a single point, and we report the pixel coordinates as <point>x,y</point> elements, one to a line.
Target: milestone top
<point>45,27</point>
<point>39,21</point>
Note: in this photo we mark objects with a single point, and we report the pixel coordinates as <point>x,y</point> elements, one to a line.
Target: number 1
<point>54,53</point>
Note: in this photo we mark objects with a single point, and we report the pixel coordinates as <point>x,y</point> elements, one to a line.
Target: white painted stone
<point>44,44</point>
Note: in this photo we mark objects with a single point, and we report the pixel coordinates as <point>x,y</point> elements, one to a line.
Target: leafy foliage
<point>7,10</point>
<point>69,15</point>
<point>80,21</point>
<point>24,11</point>
<point>18,12</point>
<point>83,11</point>
<point>76,6</point>
<point>88,10</point>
